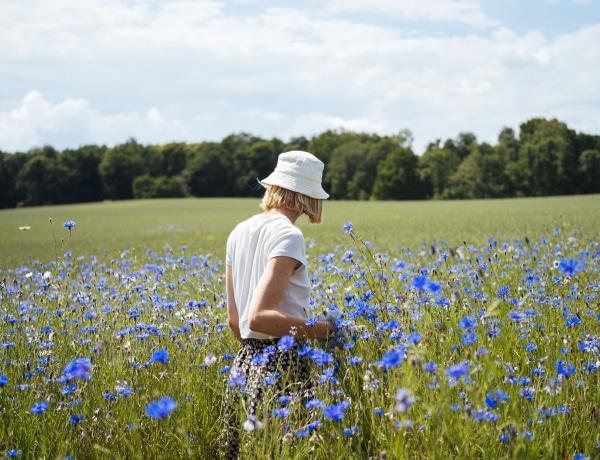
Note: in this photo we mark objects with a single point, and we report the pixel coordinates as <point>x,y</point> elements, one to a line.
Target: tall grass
<point>472,332</point>
<point>203,224</point>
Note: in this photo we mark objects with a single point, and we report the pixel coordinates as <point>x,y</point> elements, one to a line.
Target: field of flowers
<point>449,352</point>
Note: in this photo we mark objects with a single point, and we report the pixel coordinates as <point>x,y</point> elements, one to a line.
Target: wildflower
<point>335,412</point>
<point>281,412</point>
<point>210,360</point>
<point>78,369</point>
<point>76,419</point>
<point>3,380</point>
<point>430,367</point>
<point>457,370</point>
<point>393,358</point>
<point>69,225</point>
<point>528,392</point>
<point>236,377</point>
<point>468,322</point>
<point>161,407</point>
<point>252,423</point>
<point>517,316</point>
<point>347,228</point>
<point>434,287</point>
<point>160,356</point>
<point>314,404</point>
<point>403,400</point>
<point>302,433</point>
<point>286,342</point>
<point>420,282</point>
<point>13,453</point>
<point>570,267</point>
<point>39,408</point>
<point>469,338</point>
<point>565,369</point>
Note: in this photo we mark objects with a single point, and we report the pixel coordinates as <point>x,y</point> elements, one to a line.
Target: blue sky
<point>80,72</point>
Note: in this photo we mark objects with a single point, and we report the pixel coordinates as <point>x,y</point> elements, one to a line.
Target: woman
<point>268,290</point>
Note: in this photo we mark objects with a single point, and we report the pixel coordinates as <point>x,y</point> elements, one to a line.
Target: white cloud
<point>195,70</point>
<point>462,11</point>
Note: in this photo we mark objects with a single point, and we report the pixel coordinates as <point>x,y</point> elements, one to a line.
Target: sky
<point>78,72</point>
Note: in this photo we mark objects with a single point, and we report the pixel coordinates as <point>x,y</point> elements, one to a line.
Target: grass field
<point>203,224</point>
<point>483,344</point>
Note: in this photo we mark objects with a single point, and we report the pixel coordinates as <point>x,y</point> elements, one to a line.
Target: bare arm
<point>264,315</point>
<point>232,313</point>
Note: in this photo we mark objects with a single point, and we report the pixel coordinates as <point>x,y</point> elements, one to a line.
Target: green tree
<point>208,172</point>
<point>82,182</point>
<point>171,158</point>
<point>342,169</point>
<point>589,171</point>
<point>39,180</point>
<point>10,165</point>
<point>398,177</point>
<point>120,166</point>
<point>436,166</point>
<point>255,162</point>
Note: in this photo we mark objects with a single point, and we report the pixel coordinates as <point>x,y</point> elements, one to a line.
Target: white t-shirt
<point>249,247</point>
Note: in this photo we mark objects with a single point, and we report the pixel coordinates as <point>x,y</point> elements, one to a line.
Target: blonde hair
<point>278,197</point>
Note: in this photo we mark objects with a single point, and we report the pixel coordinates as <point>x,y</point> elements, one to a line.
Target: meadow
<point>471,332</point>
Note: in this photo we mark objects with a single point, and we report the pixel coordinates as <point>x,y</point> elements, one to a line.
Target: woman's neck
<point>291,215</point>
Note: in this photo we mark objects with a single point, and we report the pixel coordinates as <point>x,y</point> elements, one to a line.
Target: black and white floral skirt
<point>260,372</point>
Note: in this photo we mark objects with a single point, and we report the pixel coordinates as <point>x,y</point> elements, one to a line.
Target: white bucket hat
<point>299,172</point>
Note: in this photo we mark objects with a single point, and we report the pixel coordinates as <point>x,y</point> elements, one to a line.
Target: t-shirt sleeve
<point>290,243</point>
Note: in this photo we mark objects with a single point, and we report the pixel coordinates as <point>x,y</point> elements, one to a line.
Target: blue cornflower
<point>420,282</point>
<point>528,392</point>
<point>281,412</point>
<point>347,228</point>
<point>530,347</point>
<point>3,380</point>
<point>39,408</point>
<point>348,255</point>
<point>160,356</point>
<point>434,287</point>
<point>161,407</point>
<point>570,267</point>
<point>335,412</point>
<point>469,338</point>
<point>13,453</point>
<point>76,419</point>
<point>315,404</point>
<point>468,322</point>
<point>517,316</point>
<point>286,342</point>
<point>430,367</point>
<point>457,370</point>
<point>78,369</point>
<point>392,358</point>
<point>285,399</point>
<point>302,433</point>
<point>414,338</point>
<point>565,369</point>
<point>491,401</point>
<point>320,357</point>
<point>236,377</point>
<point>69,224</point>
<point>260,360</point>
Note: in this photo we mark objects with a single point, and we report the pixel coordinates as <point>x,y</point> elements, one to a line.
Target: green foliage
<point>546,159</point>
<point>398,177</point>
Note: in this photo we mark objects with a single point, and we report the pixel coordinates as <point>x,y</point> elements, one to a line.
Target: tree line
<point>545,158</point>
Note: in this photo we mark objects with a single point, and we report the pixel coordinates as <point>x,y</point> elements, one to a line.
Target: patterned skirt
<point>260,370</point>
